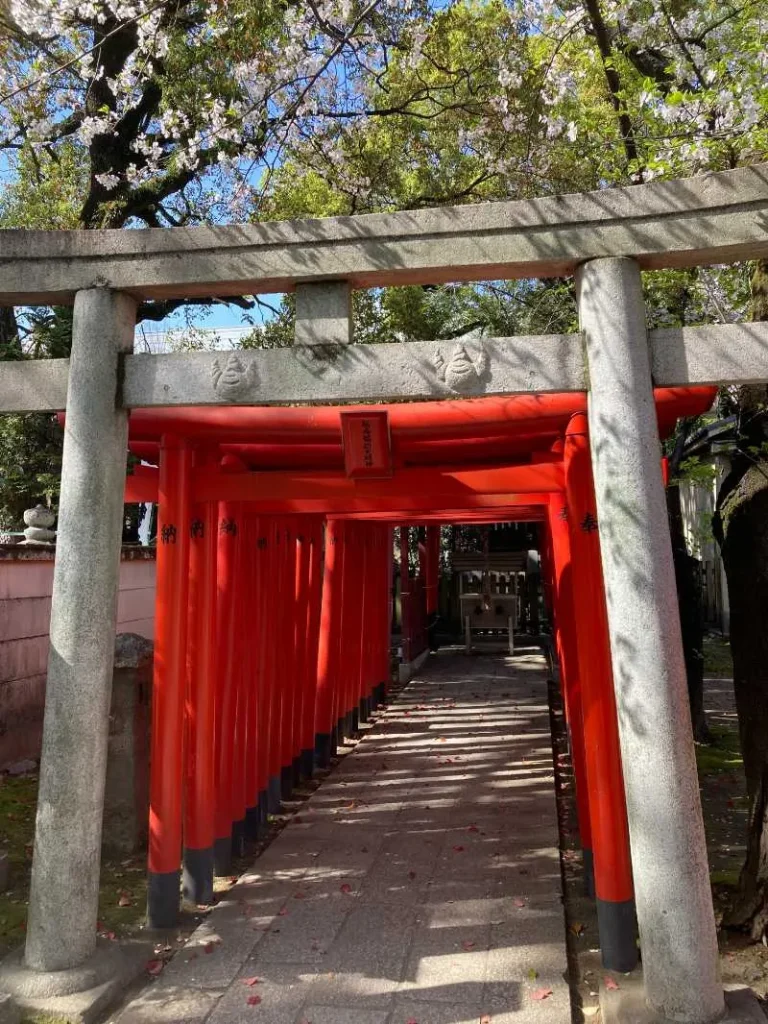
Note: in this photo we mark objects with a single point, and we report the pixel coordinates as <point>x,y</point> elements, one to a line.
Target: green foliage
<point>18,799</point>
<point>31,445</point>
<point>725,878</point>
<point>30,465</point>
<point>429,313</point>
<point>718,660</point>
<point>44,192</point>
<point>697,471</point>
<point>119,876</point>
<point>275,332</point>
<point>468,101</point>
<point>723,755</point>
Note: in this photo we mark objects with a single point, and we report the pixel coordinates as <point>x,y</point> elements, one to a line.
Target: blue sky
<point>219,315</point>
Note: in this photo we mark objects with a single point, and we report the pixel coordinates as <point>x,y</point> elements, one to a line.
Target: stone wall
<point>26,579</point>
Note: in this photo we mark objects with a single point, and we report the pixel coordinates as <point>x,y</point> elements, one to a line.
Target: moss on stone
<point>753,483</point>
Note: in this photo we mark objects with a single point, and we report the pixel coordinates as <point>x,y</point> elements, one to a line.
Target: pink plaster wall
<point>25,609</point>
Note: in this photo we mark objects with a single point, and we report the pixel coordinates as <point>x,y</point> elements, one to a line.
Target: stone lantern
<point>38,522</point>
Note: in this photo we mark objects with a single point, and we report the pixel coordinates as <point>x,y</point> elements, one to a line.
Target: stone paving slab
<point>420,883</point>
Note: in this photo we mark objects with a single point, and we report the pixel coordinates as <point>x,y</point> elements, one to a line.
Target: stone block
<point>713,218</point>
<point>344,1015</point>
<point>305,932</point>
<point>323,313</point>
<point>448,964</point>
<point>281,989</point>
<point>626,1004</point>
<point>126,799</point>
<point>215,952</point>
<point>170,1004</point>
<point>79,995</point>
<point>428,1012</point>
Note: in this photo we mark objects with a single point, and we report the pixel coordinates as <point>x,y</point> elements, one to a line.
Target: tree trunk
<point>10,343</point>
<point>743,529</point>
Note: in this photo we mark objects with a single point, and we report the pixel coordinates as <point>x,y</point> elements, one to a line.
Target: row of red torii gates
<point>269,446</point>
<point>273,608</point>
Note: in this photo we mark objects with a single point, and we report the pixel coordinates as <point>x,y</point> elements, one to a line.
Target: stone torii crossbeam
<point>605,239</point>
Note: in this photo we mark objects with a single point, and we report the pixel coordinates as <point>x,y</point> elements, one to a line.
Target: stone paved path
<point>419,885</point>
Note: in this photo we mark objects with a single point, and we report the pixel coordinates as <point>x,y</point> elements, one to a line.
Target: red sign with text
<point>366,441</point>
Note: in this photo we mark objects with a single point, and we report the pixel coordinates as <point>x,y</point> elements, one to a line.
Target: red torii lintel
<point>517,446</point>
<point>524,508</point>
<point>436,420</point>
<point>294,492</point>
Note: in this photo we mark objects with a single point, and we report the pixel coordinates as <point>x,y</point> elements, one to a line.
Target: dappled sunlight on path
<point>420,883</point>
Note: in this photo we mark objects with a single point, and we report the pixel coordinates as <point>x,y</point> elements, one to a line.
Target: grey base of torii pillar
<point>669,857</point>
<point>61,945</point>
<point>626,1003</point>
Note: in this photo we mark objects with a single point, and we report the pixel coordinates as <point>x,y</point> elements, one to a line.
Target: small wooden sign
<point>367,447</point>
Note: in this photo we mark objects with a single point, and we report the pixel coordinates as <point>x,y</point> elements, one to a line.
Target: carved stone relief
<point>234,380</point>
<point>461,372</point>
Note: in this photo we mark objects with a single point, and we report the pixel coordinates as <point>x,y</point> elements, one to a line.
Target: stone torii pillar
<point>673,898</point>
<point>61,931</point>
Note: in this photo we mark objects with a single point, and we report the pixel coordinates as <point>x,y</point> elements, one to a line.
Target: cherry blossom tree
<point>155,113</point>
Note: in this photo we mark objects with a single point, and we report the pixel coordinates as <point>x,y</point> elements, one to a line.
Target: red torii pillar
<point>169,685</point>
<point>365,569</point>
<point>240,673</point>
<point>272,611</point>
<point>226,703</point>
<point>432,568</point>
<point>561,590</point>
<point>282,763</point>
<point>372,633</point>
<point>293,686</point>
<point>343,557</point>
<point>385,668</point>
<point>405,593</point>
<point>251,610</point>
<point>314,609</point>
<point>201,707</point>
<point>382,617</point>
<point>352,628</point>
<point>286,676</point>
<point>607,808</point>
<point>327,647</point>
<point>263,643</point>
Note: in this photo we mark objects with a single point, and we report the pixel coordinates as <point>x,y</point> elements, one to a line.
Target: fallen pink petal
<point>541,993</point>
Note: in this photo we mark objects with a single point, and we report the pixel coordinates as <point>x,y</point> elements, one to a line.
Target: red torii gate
<point>259,527</point>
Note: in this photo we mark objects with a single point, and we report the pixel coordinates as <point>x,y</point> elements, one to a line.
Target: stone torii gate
<point>606,239</point>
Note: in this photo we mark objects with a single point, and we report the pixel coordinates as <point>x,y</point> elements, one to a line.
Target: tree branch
<point>160,309</point>
<point>612,79</point>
